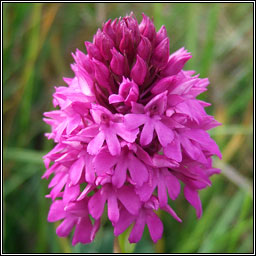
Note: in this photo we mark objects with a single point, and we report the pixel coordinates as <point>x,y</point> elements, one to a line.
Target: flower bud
<point>147,28</point>
<point>160,55</point>
<point>132,24</point>
<point>139,71</point>
<point>93,51</point>
<point>144,48</point>
<point>163,84</point>
<point>176,62</point>
<point>83,61</point>
<point>102,74</point>
<point>108,29</point>
<point>104,43</point>
<point>128,92</point>
<point>126,43</point>
<point>117,63</point>
<point>161,35</point>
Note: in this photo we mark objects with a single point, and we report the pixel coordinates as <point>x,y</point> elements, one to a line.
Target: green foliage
<point>37,41</point>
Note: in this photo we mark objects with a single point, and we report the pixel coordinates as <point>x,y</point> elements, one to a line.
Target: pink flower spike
<point>129,130</point>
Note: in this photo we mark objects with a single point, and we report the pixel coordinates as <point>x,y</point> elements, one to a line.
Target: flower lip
<point>157,105</point>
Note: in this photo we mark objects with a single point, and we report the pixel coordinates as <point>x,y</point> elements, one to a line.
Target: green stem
<point>116,248</point>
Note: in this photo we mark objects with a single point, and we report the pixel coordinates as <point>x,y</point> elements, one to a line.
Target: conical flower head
<point>128,131</point>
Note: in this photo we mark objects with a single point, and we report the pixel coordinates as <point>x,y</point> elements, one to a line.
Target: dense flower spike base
<point>128,131</point>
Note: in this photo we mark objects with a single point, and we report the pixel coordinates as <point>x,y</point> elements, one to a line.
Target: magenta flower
<point>128,131</point>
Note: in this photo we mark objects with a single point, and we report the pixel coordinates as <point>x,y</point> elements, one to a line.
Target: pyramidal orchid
<point>128,131</point>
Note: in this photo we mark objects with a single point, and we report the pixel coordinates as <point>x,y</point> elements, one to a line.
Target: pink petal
<point>56,211</point>
<point>85,192</point>
<point>146,191</point>
<point>119,176</point>
<point>172,184</point>
<point>96,204</point>
<point>114,98</point>
<point>138,229</point>
<point>76,170</point>
<point>56,190</point>
<point>143,155</point>
<point>133,121</point>
<point>89,169</point>
<point>113,211</point>
<point>77,208</point>
<point>128,135</point>
<point>71,193</point>
<point>155,226</point>
<point>83,231</point>
<point>165,134</point>
<point>194,199</point>
<point>173,150</point>
<point>162,193</point>
<point>138,170</point>
<point>66,226</point>
<point>168,209</point>
<point>112,142</point>
<point>147,133</point>
<point>129,199</point>
<point>95,144</point>
<point>125,220</point>
<point>95,228</point>
<point>103,162</point>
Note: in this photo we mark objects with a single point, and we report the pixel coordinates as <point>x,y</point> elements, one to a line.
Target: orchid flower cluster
<point>128,131</point>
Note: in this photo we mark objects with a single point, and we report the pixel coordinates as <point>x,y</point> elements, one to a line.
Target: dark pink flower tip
<point>144,48</point>
<point>160,54</point>
<point>118,64</point>
<point>139,71</point>
<point>161,35</point>
<point>129,130</point>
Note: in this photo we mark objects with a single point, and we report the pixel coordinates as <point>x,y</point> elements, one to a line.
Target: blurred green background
<point>37,42</point>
